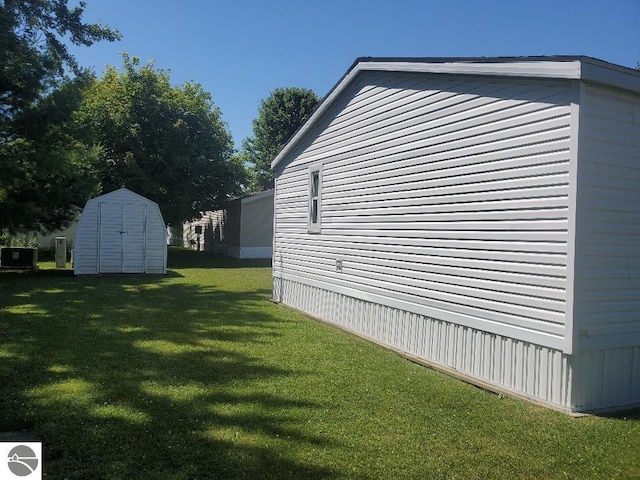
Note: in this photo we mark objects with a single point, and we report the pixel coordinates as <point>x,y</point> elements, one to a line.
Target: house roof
<point>252,196</point>
<point>257,196</point>
<point>569,67</point>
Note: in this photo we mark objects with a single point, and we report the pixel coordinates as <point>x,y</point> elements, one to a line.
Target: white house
<point>479,214</point>
<point>244,229</point>
<point>120,232</point>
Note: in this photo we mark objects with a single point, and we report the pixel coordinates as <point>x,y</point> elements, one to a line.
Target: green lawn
<point>197,375</point>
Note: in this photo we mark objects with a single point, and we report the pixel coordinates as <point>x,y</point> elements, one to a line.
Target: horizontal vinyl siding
<point>448,195</point>
<point>608,251</point>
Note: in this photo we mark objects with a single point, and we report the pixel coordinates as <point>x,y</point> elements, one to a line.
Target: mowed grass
<point>197,375</point>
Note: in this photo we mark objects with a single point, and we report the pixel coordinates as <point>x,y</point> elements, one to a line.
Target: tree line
<point>67,135</point>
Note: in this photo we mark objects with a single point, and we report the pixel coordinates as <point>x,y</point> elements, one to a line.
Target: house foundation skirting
<point>541,374</point>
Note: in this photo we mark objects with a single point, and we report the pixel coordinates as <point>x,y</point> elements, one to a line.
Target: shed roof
<point>569,67</point>
<point>120,192</point>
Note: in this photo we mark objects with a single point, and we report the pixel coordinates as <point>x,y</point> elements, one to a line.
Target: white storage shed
<point>120,232</point>
<point>479,214</point>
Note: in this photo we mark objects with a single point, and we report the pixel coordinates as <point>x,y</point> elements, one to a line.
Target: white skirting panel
<point>541,374</point>
<point>607,379</point>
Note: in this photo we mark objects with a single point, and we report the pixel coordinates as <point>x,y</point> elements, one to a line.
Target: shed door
<point>122,238</point>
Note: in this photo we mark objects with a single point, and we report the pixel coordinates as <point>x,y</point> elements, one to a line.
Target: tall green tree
<point>43,170</point>
<point>34,53</point>
<point>279,116</point>
<point>165,142</point>
<point>46,170</point>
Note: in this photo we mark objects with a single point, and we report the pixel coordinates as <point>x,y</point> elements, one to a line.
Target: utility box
<point>19,257</point>
<point>61,252</point>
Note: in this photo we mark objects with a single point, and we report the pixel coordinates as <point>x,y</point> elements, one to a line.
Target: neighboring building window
<point>315,196</point>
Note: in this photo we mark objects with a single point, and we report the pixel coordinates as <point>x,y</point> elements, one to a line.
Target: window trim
<point>314,201</point>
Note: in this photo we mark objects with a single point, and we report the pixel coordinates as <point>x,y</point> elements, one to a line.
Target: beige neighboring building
<point>243,230</point>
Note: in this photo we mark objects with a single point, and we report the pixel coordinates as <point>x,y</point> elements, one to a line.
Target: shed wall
<point>155,241</point>
<point>442,196</point>
<point>100,248</point>
<point>85,256</point>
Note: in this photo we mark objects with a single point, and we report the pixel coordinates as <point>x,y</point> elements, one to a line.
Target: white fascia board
<point>538,69</point>
<point>602,73</point>
<point>587,69</point>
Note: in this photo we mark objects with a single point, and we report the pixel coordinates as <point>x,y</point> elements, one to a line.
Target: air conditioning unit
<point>19,257</point>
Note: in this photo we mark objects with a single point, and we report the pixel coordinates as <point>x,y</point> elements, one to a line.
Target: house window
<point>315,199</point>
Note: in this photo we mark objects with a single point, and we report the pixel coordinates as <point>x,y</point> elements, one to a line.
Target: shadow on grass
<point>186,258</point>
<point>142,377</point>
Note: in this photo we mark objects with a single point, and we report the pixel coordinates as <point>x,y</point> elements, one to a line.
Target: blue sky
<point>241,50</point>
